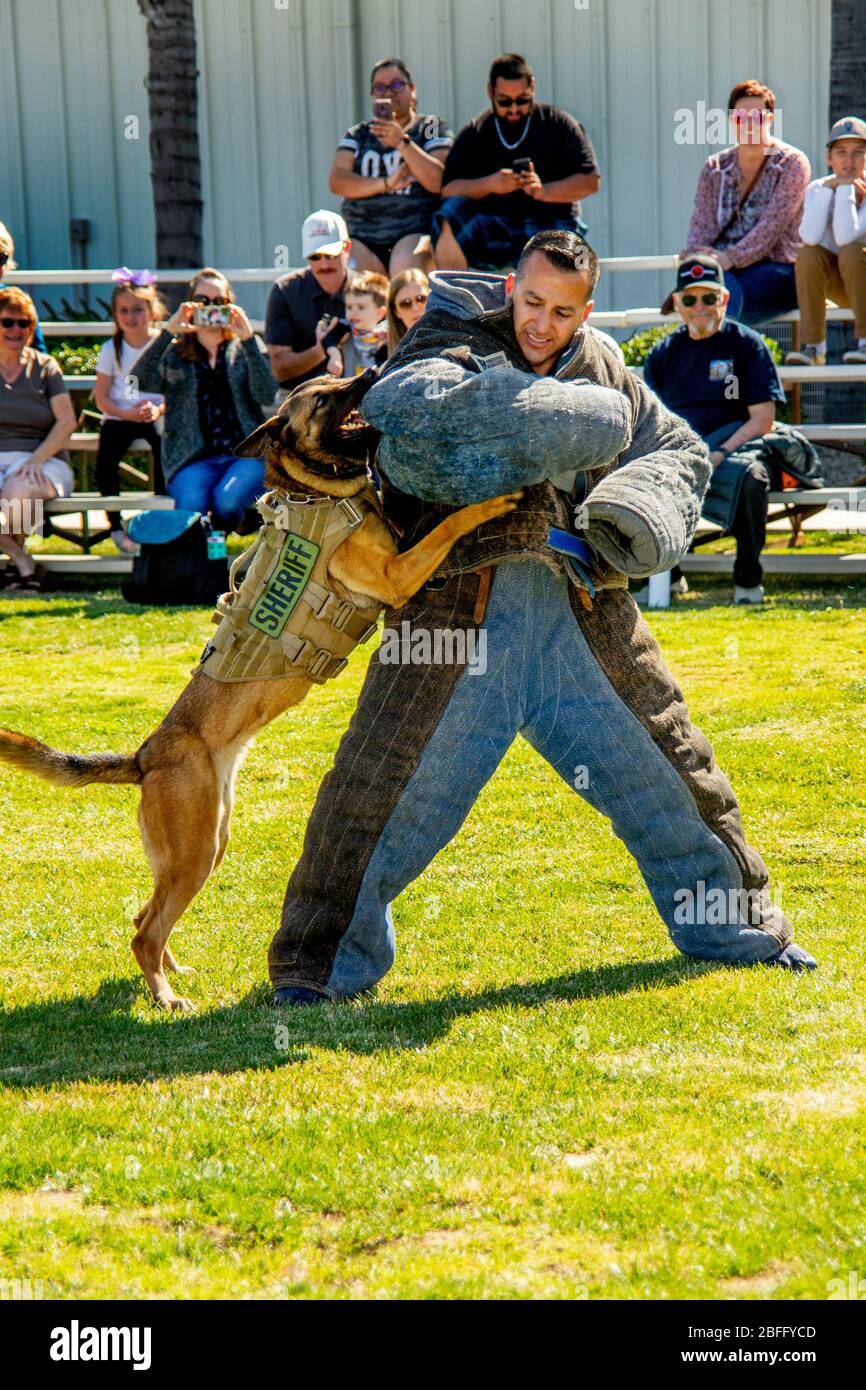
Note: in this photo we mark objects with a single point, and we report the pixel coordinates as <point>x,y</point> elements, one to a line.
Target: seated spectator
<point>306,311</point>
<point>515,170</point>
<point>36,422</point>
<point>388,171</point>
<point>366,345</point>
<point>7,262</point>
<point>748,208</point>
<point>407,300</point>
<point>832,261</point>
<point>215,382</point>
<point>127,413</point>
<point>719,376</point>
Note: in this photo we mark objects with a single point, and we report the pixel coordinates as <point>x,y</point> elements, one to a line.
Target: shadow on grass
<point>84,604</point>
<point>96,1038</point>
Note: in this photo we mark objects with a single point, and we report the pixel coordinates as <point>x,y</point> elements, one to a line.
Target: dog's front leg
<point>368,564</point>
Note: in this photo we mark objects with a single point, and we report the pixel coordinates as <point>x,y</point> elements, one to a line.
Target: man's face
<point>402,101</point>
<point>847,158</point>
<point>702,319</point>
<point>548,305</point>
<point>330,271</point>
<point>512,100</point>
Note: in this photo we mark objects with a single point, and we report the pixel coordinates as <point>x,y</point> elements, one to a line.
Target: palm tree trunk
<point>175,165</point>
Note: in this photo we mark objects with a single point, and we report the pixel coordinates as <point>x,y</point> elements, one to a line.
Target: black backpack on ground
<point>173,565</point>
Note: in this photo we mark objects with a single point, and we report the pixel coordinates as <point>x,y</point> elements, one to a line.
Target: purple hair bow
<point>124,276</point>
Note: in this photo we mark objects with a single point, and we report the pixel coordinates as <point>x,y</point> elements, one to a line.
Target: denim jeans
<point>761,292</point>
<point>423,742</point>
<point>224,486</point>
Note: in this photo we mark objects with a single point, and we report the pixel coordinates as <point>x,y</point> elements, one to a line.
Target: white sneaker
<point>808,356</point>
<point>641,595</point>
<point>680,586</point>
<point>856,357</point>
<point>755,595</point>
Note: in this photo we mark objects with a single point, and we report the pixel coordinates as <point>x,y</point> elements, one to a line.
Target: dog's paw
<point>499,506</point>
<point>175,1003</point>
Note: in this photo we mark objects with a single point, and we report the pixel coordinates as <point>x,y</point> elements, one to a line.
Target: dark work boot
<point>296,994</point>
<point>793,958</point>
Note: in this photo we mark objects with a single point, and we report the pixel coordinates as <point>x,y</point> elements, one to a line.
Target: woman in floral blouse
<point>748,208</point>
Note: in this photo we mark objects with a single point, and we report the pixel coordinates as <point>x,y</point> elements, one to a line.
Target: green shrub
<point>638,347</point>
<point>75,356</point>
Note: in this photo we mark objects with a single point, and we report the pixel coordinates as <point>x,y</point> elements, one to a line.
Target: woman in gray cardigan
<point>216,382</point>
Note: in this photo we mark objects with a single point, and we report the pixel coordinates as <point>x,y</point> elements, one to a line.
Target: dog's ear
<point>261,439</point>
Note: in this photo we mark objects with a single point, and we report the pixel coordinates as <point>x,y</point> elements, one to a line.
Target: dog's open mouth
<point>351,424</point>
<point>351,436</point>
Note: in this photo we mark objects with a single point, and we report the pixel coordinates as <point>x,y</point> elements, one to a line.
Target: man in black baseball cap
<point>719,376</point>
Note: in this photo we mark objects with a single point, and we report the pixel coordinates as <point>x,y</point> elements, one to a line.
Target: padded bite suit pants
<point>586,690</point>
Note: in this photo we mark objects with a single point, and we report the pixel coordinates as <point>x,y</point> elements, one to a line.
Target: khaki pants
<point>842,278</point>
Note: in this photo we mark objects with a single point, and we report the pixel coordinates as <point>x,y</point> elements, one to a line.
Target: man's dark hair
<point>511,67</point>
<point>566,250</point>
<point>390,63</point>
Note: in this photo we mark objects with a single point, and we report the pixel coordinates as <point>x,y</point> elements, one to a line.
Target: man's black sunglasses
<point>690,299</point>
<point>15,323</point>
<point>513,101</point>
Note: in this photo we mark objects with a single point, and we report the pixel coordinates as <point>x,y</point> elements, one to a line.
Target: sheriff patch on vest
<point>281,617</point>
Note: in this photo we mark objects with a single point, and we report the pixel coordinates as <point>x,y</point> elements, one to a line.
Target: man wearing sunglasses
<point>388,171</point>
<point>306,311</point>
<point>719,376</point>
<point>515,170</point>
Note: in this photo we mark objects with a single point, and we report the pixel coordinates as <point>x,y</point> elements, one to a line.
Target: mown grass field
<point>543,1100</point>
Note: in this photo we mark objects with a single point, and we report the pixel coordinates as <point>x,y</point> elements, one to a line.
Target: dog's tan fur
<point>187,767</point>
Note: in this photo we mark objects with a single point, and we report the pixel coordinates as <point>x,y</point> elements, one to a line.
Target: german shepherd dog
<point>186,769</point>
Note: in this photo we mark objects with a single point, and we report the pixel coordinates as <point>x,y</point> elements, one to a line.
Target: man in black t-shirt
<point>388,171</point>
<point>515,170</point>
<point>719,376</point>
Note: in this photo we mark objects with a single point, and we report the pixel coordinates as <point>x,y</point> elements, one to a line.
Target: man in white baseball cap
<point>306,312</point>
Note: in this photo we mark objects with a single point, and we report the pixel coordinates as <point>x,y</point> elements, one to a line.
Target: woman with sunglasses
<point>388,171</point>
<point>748,207</point>
<point>36,423</point>
<point>216,381</point>
<point>407,299</point>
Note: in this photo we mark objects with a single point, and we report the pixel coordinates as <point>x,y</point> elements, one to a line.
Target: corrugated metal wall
<point>281,80</point>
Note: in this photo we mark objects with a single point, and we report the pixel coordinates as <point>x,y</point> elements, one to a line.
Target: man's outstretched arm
<point>642,516</point>
<point>450,434</point>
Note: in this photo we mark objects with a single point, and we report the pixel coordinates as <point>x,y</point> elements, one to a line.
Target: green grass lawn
<point>543,1100</point>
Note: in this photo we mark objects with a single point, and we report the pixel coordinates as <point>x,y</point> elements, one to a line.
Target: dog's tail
<point>65,769</point>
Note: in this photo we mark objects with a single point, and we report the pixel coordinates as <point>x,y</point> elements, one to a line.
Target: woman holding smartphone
<point>388,171</point>
<point>216,382</point>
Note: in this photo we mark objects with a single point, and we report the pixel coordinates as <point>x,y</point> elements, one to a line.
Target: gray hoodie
<point>463,417</point>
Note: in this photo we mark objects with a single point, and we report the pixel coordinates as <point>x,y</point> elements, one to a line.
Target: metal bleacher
<point>796,504</point>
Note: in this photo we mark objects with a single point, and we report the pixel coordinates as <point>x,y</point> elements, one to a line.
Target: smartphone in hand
<point>212,316</point>
<point>383,109</point>
<point>522,166</point>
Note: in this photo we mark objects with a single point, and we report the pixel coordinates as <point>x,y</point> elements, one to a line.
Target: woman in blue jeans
<point>748,207</point>
<point>216,381</point>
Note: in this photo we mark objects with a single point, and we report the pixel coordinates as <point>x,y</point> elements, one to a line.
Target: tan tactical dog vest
<point>281,617</point>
